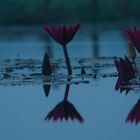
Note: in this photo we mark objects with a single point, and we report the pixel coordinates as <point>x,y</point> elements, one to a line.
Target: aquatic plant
<point>133,35</point>
<point>63,34</point>
<point>126,72</point>
<point>134,114</point>
<point>64,110</point>
<point>46,70</point>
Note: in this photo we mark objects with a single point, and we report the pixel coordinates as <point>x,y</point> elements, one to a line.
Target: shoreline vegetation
<point>34,12</point>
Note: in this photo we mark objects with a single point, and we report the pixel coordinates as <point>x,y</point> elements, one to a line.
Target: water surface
<point>24,106</point>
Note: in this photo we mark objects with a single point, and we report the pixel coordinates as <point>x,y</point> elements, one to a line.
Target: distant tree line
<point>88,11</point>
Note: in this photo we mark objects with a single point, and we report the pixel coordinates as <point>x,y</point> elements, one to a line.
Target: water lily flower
<point>64,110</point>
<point>62,34</point>
<point>133,35</point>
<point>126,72</point>
<point>123,86</point>
<point>125,69</point>
<point>134,114</point>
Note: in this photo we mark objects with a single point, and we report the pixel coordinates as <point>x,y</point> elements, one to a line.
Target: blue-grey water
<point>23,108</point>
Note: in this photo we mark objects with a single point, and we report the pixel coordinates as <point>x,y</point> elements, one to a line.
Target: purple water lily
<point>134,114</point>
<point>133,35</point>
<point>123,86</point>
<point>62,34</point>
<point>126,72</point>
<point>125,69</point>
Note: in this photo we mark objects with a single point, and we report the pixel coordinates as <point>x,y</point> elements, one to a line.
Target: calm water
<point>23,108</point>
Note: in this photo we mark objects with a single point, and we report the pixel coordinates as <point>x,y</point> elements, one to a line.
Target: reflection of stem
<point>67,60</point>
<point>69,72</point>
<point>67,90</point>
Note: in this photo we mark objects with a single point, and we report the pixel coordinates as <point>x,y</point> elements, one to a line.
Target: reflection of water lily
<point>46,70</point>
<point>62,34</point>
<point>123,86</point>
<point>125,69</point>
<point>134,114</point>
<point>133,36</point>
<point>126,72</point>
<point>64,110</point>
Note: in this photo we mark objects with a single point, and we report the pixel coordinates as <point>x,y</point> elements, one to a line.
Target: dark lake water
<point>23,103</point>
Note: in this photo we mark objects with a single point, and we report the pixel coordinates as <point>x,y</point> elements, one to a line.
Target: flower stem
<point>67,60</point>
